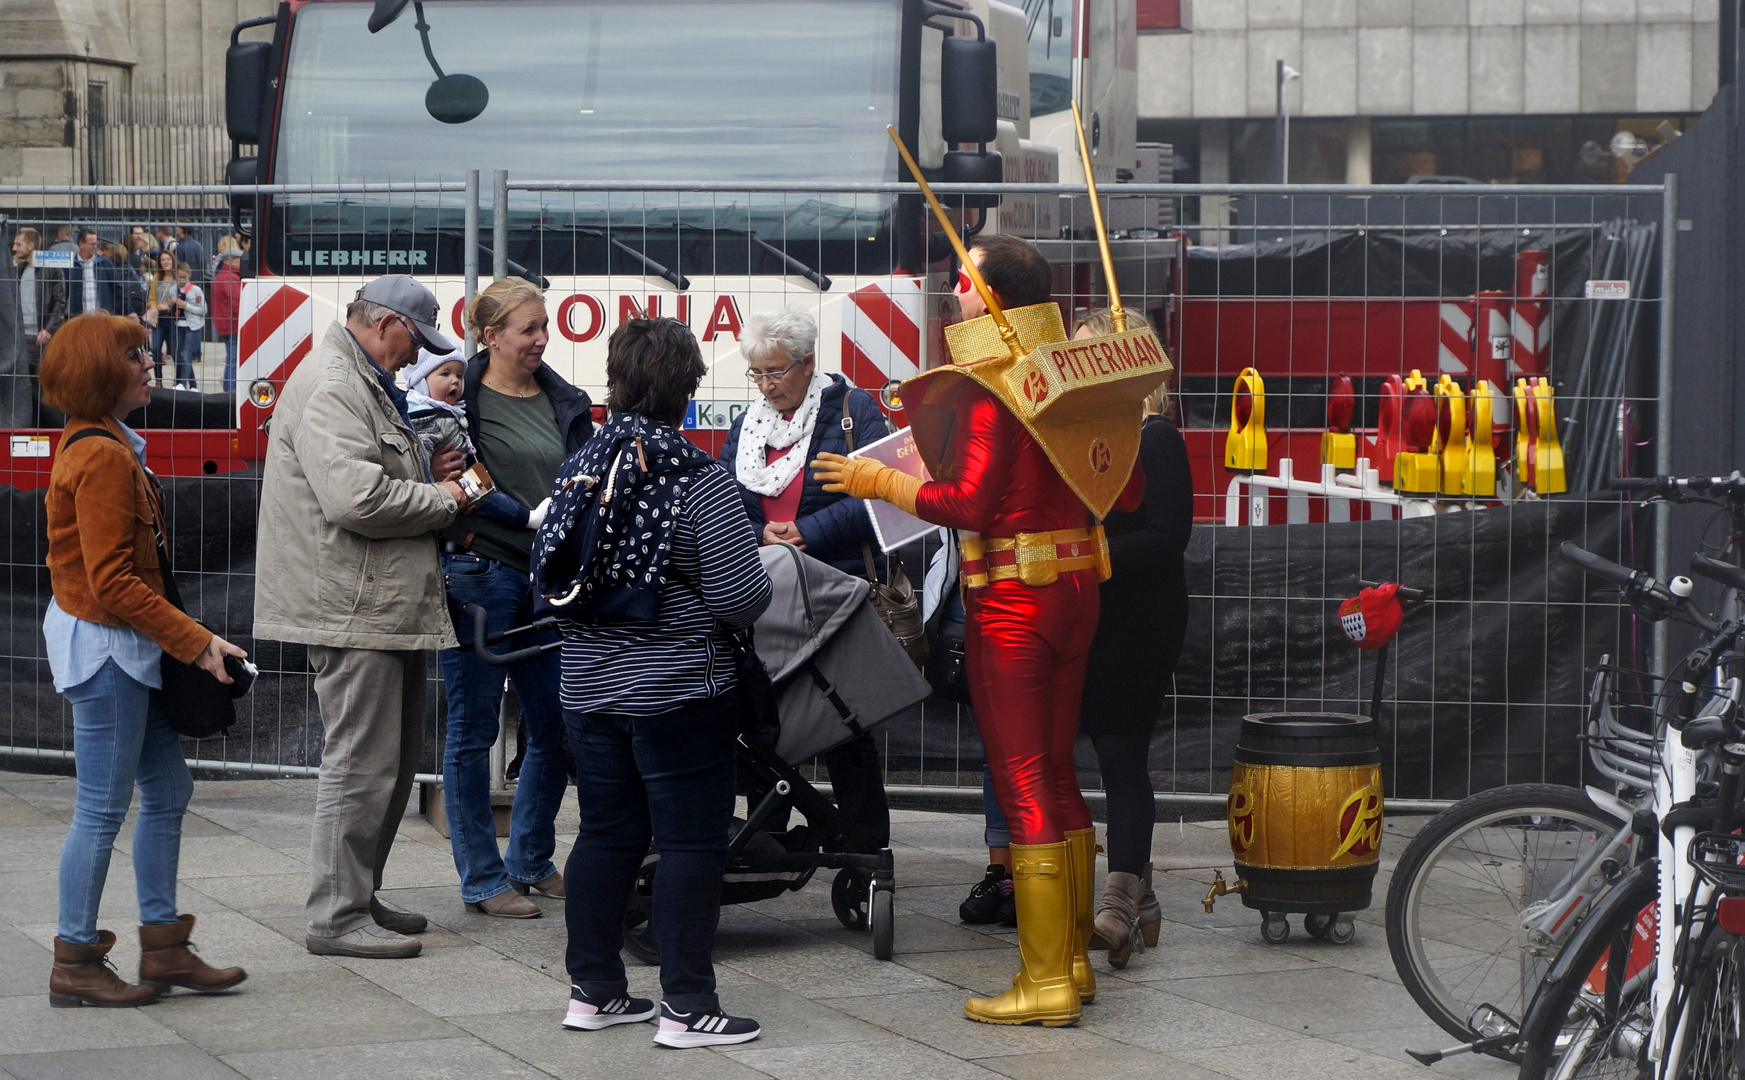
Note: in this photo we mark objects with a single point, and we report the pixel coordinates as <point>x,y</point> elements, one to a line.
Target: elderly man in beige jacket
<point>347,565</point>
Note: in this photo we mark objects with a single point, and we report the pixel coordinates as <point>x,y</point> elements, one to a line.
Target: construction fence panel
<point>1484,358</point>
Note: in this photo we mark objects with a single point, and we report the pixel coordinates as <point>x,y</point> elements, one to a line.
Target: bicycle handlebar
<point>1715,570</point>
<point>1649,597</point>
<point>1675,488</point>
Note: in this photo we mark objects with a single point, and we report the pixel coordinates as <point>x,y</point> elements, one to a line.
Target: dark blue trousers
<point>669,778</point>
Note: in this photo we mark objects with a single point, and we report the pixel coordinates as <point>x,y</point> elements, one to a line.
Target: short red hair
<point>85,368</point>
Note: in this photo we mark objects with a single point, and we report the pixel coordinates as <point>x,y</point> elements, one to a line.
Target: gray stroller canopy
<point>837,670</point>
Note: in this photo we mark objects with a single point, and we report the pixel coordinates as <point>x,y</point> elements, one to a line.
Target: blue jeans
<point>163,338</point>
<point>187,354</point>
<point>995,834</point>
<point>475,694</point>
<point>669,778</point>
<point>120,738</point>
<point>229,362</point>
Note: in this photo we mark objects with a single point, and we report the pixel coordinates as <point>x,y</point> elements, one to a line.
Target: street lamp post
<point>1282,122</point>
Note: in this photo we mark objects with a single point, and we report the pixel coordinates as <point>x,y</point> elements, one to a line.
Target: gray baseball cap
<point>401,293</point>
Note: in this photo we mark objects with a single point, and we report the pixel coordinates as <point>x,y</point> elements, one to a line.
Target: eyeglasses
<point>139,356</point>
<point>774,376</point>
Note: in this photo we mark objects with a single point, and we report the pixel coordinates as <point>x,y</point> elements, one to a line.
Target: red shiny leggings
<point>1025,649</point>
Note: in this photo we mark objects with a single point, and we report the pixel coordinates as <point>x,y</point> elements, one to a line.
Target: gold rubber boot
<point>1042,991</point>
<point>1082,857</point>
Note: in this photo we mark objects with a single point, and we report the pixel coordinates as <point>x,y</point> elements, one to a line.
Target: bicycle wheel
<point>1455,904</point>
<point>1592,1022</point>
<point>1711,1048</point>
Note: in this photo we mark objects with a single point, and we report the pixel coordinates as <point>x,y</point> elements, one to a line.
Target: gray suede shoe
<point>368,941</point>
<point>397,919</point>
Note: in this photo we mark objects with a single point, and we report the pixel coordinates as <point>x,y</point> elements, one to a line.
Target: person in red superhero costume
<point>1025,645</point>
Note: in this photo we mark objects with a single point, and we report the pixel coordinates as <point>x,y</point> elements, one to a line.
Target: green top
<point>519,443</point>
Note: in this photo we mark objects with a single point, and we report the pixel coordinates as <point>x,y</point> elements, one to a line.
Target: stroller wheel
<point>639,914</point>
<point>850,895</point>
<point>884,924</point>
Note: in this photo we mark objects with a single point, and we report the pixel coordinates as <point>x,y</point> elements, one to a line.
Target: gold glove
<point>863,478</point>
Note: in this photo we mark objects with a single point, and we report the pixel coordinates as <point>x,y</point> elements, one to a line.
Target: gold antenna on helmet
<point>1007,334</point>
<point>1117,313</point>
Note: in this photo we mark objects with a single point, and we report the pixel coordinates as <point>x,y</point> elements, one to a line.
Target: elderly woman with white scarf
<point>798,415</point>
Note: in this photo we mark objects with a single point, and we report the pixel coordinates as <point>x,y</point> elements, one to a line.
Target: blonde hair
<point>497,301</point>
<point>1099,322</point>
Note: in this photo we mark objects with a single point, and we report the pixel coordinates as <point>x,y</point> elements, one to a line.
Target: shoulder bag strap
<point>866,554</point>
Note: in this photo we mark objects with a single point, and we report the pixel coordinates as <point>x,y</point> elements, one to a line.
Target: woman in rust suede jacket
<point>107,629</point>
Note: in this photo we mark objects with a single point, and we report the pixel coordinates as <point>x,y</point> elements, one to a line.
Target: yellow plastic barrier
<point>1450,444</point>
<point>1548,472</point>
<point>1245,449</point>
<point>1481,455</point>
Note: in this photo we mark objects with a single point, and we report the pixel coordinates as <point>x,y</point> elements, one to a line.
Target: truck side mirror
<point>969,83</point>
<point>242,170</point>
<point>247,73</point>
<point>970,167</point>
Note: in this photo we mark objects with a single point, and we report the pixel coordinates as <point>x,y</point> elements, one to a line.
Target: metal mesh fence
<point>1303,287</point>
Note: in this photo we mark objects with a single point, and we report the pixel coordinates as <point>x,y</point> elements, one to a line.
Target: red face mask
<point>1372,617</point>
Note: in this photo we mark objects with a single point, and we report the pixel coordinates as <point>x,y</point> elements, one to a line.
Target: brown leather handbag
<point>895,601</point>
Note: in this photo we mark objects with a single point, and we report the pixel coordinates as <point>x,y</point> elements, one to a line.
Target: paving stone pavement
<point>485,998</point>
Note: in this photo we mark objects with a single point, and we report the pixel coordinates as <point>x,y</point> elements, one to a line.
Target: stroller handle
<point>481,641</point>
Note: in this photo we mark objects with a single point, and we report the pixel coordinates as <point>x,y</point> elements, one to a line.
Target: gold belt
<point>1036,559</point>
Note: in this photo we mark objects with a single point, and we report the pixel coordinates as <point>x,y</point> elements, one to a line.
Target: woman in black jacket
<point>524,420</point>
<point>1139,639</point>
<point>802,409</point>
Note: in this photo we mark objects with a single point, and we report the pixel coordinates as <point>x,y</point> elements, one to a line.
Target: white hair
<point>367,312</point>
<point>790,329</point>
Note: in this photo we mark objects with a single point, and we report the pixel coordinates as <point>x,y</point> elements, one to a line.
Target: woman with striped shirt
<point>648,684</point>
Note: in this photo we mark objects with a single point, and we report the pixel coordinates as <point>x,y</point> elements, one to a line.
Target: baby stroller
<point>837,673</point>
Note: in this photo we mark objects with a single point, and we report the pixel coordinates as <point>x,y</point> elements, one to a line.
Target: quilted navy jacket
<point>834,526</point>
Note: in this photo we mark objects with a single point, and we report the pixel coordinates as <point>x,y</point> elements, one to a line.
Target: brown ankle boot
<point>83,975</point>
<point>166,959</point>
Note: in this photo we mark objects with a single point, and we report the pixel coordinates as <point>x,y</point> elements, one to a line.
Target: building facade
<point>1522,91</point>
<point>115,91</point>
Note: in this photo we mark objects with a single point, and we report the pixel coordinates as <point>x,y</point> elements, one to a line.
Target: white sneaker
<point>591,1014</point>
<point>684,1030</point>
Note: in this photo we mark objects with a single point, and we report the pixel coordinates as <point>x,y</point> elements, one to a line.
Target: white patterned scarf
<point>764,428</point>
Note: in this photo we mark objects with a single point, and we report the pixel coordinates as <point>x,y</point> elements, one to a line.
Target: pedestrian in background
<point>801,412</point>
<point>38,296</point>
<point>347,566</point>
<point>160,311</point>
<point>523,420</point>
<point>189,300</point>
<point>97,284</point>
<point>191,251</point>
<point>1139,639</point>
<point>107,628</point>
<point>650,695</point>
<point>226,300</point>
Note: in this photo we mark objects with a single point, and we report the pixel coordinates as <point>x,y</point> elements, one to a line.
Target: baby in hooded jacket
<point>440,421</point>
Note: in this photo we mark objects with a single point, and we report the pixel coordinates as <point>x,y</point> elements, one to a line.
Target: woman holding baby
<point>515,416</point>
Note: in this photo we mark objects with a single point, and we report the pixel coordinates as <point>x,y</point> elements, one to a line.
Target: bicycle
<point>1672,1007</point>
<point>1488,893</point>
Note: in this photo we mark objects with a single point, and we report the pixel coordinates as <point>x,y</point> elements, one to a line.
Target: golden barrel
<point>1305,811</point>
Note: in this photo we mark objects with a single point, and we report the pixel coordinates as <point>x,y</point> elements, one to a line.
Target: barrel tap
<point>1219,888</point>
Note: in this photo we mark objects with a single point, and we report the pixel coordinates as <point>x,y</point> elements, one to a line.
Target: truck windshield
<point>608,90</point>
